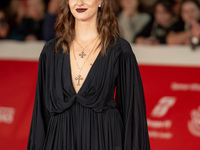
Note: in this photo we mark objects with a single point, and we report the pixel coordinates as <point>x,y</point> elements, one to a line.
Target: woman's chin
<point>83,19</point>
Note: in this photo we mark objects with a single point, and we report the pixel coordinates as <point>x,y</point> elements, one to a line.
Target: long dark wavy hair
<point>107,26</point>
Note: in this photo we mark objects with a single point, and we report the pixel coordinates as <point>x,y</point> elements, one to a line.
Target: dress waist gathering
<point>79,124</point>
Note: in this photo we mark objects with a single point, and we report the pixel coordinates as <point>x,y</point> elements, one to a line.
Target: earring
<point>100,5</point>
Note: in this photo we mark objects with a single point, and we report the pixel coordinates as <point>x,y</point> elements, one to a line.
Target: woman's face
<point>190,12</point>
<point>84,10</point>
<point>162,16</point>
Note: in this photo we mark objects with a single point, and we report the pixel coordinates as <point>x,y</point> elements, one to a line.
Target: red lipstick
<point>81,10</point>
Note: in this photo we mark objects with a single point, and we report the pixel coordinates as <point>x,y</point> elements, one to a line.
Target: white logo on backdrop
<point>7,115</point>
<point>167,124</point>
<point>163,106</point>
<point>159,111</point>
<point>194,123</point>
<point>194,87</point>
<point>161,135</point>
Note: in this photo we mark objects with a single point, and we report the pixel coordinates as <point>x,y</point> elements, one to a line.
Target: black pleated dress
<point>92,119</point>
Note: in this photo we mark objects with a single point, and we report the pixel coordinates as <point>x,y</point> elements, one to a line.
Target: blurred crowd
<point>152,22</point>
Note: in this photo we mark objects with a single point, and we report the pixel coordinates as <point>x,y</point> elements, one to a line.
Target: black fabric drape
<point>130,96</point>
<point>40,115</point>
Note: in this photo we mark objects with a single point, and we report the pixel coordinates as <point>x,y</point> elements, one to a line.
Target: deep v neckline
<point>87,76</point>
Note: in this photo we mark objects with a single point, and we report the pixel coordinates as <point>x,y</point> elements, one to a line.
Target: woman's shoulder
<point>124,52</point>
<point>125,46</point>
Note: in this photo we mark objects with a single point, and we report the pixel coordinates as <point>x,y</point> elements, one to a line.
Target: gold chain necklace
<point>79,77</point>
<point>82,54</point>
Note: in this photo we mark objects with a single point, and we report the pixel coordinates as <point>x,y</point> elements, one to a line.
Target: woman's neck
<point>85,30</point>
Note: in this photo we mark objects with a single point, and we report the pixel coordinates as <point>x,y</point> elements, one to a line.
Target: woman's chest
<point>66,74</point>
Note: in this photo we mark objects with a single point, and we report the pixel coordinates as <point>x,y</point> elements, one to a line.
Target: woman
<point>189,31</point>
<point>159,26</point>
<point>74,105</point>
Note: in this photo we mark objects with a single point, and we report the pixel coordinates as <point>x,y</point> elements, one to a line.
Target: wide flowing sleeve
<point>40,114</point>
<point>131,101</point>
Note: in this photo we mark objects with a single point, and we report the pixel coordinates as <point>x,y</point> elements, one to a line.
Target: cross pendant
<point>82,54</point>
<point>79,78</point>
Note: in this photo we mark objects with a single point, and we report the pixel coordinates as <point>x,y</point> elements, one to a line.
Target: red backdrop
<point>172,103</point>
<point>173,106</point>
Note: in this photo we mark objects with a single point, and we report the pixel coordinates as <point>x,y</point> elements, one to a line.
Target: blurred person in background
<point>4,27</point>
<point>15,13</point>
<point>190,28</point>
<point>50,20</point>
<point>131,21</point>
<point>159,26</point>
<point>31,28</point>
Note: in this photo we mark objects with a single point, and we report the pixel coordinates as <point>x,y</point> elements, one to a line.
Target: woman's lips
<point>81,10</point>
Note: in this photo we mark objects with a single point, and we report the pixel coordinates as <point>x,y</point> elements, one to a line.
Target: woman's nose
<point>80,2</point>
